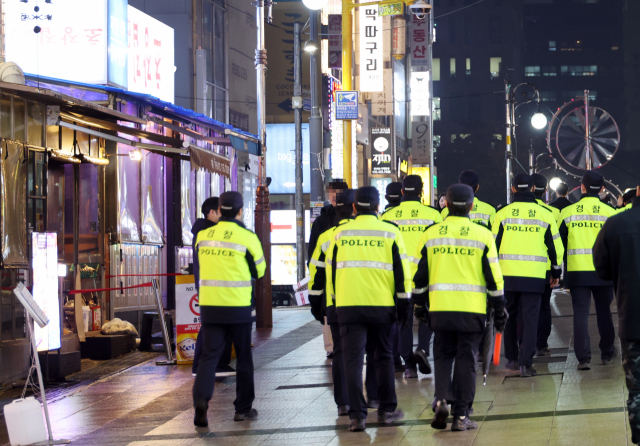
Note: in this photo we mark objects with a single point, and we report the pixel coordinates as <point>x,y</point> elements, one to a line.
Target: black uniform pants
<point>215,337</point>
<point>456,350</point>
<point>406,340</point>
<point>581,299</point>
<point>544,320</point>
<point>371,375</point>
<point>337,368</point>
<point>631,365</point>
<point>225,359</point>
<point>354,341</point>
<point>521,332</point>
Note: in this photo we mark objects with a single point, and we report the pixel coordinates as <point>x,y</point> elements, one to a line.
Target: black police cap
<point>593,180</point>
<point>460,194</point>
<point>470,178</point>
<point>337,184</point>
<point>628,195</point>
<point>412,184</point>
<point>368,196</point>
<point>231,200</point>
<point>345,197</point>
<point>394,190</point>
<point>523,182</point>
<point>539,181</point>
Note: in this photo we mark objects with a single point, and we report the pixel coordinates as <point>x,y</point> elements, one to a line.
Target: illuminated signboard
<point>71,45</point>
<point>381,184</point>
<point>420,93</point>
<point>281,160</point>
<point>45,288</point>
<point>283,226</point>
<point>425,174</point>
<point>151,60</point>
<point>371,54</point>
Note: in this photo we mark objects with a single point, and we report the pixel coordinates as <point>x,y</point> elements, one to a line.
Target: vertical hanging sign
<point>419,42</point>
<point>382,101</point>
<point>371,54</point>
<point>382,150</point>
<point>335,41</point>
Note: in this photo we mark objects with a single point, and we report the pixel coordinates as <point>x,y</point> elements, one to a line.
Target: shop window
<point>55,205</point>
<point>495,63</point>
<point>436,69</point>
<point>12,313</point>
<point>35,123</point>
<point>89,240</point>
<point>5,117</point>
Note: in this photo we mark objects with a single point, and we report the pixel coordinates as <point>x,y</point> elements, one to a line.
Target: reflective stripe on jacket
<point>367,266</point>
<point>528,244</point>
<point>230,256</point>
<point>458,270</point>
<point>579,226</point>
<point>481,212</point>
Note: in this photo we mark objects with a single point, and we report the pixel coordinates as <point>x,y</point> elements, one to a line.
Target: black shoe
<point>463,424</point>
<point>330,355</point>
<point>343,410</point>
<point>422,360</point>
<point>358,425</point>
<point>606,360</point>
<point>251,415</point>
<point>440,418</point>
<point>373,404</point>
<point>200,418</point>
<point>411,372</point>
<point>543,352</point>
<point>512,366</point>
<point>390,417</point>
<point>585,364</point>
<point>398,366</point>
<point>527,371</point>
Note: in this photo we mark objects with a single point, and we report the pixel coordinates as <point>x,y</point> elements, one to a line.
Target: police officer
<point>368,278</point>
<point>526,238</point>
<point>412,218</point>
<point>320,306</point>
<point>230,256</point>
<point>544,319</point>
<point>579,227</point>
<point>562,201</point>
<point>481,212</point>
<point>458,272</point>
<point>393,195</point>
<point>625,201</point>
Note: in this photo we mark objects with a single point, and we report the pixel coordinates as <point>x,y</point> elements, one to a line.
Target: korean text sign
<point>371,54</point>
<point>381,150</point>
<point>151,56</point>
<point>45,288</point>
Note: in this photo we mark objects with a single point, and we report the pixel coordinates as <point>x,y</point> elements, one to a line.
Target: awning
<point>67,103</point>
<point>191,133</point>
<point>211,161</point>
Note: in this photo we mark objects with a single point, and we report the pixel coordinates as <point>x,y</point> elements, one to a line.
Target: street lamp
<point>539,121</point>
<point>554,183</point>
<point>314,4</point>
<point>310,46</point>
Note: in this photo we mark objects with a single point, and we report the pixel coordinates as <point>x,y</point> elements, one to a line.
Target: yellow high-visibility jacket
<point>481,212</point>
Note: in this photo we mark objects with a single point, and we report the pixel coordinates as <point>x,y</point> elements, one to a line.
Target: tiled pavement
<point>149,405</point>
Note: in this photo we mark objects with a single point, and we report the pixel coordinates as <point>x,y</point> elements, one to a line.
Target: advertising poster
<point>45,288</point>
<point>187,318</point>
<point>381,153</point>
<point>381,184</point>
<point>335,41</point>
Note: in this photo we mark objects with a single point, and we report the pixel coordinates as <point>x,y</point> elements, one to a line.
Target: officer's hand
<point>555,282</point>
<point>316,311</point>
<point>421,313</point>
<point>500,320</point>
<point>620,202</point>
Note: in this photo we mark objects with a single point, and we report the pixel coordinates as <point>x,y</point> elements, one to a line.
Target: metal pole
<point>297,92</point>
<point>434,192</point>
<point>347,46</point>
<point>587,136</point>
<point>163,325</point>
<point>509,154</point>
<point>532,169</point>
<point>315,121</point>
<point>264,316</point>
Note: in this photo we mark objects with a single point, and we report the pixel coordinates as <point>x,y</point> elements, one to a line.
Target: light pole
<point>296,103</point>
<point>264,316</point>
<point>315,120</point>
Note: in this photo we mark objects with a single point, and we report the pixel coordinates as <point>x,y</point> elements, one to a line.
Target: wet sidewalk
<point>151,405</point>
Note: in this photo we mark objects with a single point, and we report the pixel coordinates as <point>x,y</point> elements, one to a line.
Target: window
<point>548,70</point>
<point>453,137</point>
<point>436,69</point>
<point>552,45</point>
<point>452,68</point>
<point>573,94</point>
<point>13,315</point>
<point>548,96</point>
<point>531,71</point>
<point>468,67</point>
<point>437,111</point>
<point>495,30</point>
<point>437,139</point>
<point>494,67</point>
<point>213,41</point>
<point>578,70</point>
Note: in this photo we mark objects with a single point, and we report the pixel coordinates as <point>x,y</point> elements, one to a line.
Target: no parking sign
<point>187,318</point>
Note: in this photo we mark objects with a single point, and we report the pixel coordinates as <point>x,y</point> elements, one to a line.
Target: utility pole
<point>315,120</point>
<point>509,154</point>
<point>297,110</point>
<point>587,136</point>
<point>264,316</point>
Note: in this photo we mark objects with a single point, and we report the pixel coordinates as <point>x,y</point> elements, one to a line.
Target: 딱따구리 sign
<point>381,150</point>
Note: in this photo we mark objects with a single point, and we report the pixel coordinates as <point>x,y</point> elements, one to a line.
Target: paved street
<point>149,405</point>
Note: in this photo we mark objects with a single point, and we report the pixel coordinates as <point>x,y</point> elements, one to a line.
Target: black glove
<point>316,308</point>
<point>404,312</point>
<point>421,313</point>
<point>500,320</point>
